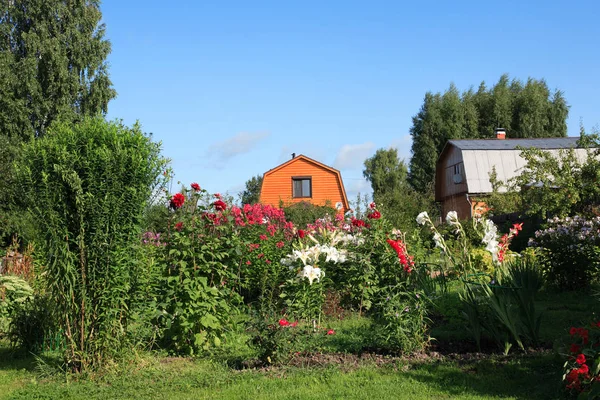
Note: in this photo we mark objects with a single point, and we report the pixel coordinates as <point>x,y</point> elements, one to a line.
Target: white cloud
<point>352,156</point>
<point>241,143</point>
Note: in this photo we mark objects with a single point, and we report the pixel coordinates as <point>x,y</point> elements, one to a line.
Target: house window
<point>301,186</point>
<point>456,169</point>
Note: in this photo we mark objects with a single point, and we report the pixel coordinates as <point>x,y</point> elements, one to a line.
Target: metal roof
<point>512,144</point>
<point>478,166</point>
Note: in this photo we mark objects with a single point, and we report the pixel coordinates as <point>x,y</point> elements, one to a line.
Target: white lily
<point>422,218</point>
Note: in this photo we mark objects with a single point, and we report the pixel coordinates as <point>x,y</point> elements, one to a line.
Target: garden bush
<point>87,185</point>
<point>303,213</point>
<point>570,251</point>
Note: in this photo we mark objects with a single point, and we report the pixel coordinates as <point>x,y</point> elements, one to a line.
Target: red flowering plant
<point>278,339</point>
<point>198,288</point>
<point>581,376</point>
<point>266,237</point>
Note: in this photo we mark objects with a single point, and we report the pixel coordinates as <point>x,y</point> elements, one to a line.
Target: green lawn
<point>514,378</point>
<point>535,375</point>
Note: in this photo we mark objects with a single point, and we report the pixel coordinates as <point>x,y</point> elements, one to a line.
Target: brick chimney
<point>500,133</point>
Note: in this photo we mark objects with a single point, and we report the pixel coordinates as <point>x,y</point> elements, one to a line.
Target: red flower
<point>261,255</point>
<point>179,226</point>
<point>248,262</point>
<point>518,227</point>
<point>263,237</point>
<point>575,348</point>
<point>374,215</point>
<point>253,246</point>
<point>572,331</point>
<point>271,229</point>
<point>220,205</point>
<point>280,244</point>
<point>301,233</point>
<point>359,223</point>
<point>268,262</point>
<point>283,322</point>
<point>195,186</point>
<point>294,324</point>
<point>177,200</point>
<point>584,369</point>
<point>372,206</point>
<point>572,377</point>
<point>580,359</point>
<point>331,332</point>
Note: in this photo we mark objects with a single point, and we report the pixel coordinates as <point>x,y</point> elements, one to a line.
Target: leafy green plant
<point>87,186</point>
<point>197,296</point>
<point>14,291</point>
<point>400,319</point>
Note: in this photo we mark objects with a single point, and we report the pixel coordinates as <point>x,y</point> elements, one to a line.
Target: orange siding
<point>277,184</point>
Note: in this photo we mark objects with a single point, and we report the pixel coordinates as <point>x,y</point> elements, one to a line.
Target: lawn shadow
<point>521,377</point>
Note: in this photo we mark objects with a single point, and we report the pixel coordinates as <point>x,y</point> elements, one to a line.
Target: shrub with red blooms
<point>179,226</point>
<point>177,200</point>
<point>195,187</point>
<point>582,369</point>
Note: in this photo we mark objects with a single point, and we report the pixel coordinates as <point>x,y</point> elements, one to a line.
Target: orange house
<point>304,179</point>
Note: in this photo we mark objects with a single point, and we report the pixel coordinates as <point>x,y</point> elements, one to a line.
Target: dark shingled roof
<point>512,144</point>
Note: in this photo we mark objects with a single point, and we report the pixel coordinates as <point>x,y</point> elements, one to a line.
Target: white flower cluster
<point>311,273</point>
<point>311,255</point>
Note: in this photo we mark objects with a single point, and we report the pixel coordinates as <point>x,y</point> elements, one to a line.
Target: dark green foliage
<point>52,64</point>
<point>87,186</point>
<point>33,326</point>
<point>251,194</point>
<point>524,110</point>
<point>52,68</point>
<point>394,197</point>
<point>385,171</point>
<point>303,213</point>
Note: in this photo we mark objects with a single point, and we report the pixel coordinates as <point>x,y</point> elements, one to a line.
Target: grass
<point>515,378</point>
<point>536,375</point>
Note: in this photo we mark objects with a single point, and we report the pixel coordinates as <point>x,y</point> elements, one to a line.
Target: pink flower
<point>195,186</point>
<point>283,322</point>
<point>294,324</point>
<point>280,244</point>
<point>331,332</point>
<point>248,262</point>
<point>263,237</point>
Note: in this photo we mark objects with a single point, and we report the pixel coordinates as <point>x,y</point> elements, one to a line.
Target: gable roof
<point>315,162</point>
<point>512,144</point>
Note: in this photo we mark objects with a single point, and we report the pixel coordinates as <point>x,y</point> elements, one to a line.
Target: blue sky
<point>232,88</point>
